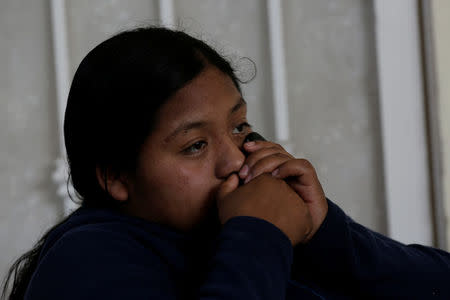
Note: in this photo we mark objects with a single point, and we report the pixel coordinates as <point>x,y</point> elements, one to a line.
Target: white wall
<point>333,94</point>
<point>28,120</point>
<point>441,25</point>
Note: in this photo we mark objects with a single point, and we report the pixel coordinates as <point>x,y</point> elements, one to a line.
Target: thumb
<point>227,186</point>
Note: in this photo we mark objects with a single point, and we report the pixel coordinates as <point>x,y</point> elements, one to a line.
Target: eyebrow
<point>184,127</point>
<point>241,102</point>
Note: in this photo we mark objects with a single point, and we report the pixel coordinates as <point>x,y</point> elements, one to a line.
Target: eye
<point>241,128</point>
<point>195,147</point>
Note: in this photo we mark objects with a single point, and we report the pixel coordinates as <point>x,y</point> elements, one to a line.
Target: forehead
<point>210,95</point>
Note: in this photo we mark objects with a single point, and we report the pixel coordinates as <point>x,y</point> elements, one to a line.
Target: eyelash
<point>191,150</point>
<point>194,148</point>
<point>243,125</point>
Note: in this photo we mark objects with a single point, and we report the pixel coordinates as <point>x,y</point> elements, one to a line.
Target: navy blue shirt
<point>102,254</point>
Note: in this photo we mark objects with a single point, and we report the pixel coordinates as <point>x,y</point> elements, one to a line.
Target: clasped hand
<point>278,188</point>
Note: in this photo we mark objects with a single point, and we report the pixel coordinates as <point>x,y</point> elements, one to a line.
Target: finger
<point>254,157</point>
<point>256,145</point>
<point>267,165</point>
<point>227,186</point>
<point>297,168</point>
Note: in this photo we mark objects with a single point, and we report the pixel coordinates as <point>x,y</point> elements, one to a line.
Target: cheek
<point>195,180</point>
<point>190,190</point>
<point>181,181</point>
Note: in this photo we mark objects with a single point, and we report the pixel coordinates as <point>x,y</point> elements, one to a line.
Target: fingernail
<point>244,171</point>
<point>275,172</point>
<point>250,144</point>
<point>248,178</point>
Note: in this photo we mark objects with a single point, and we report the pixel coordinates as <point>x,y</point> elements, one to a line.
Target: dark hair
<point>115,95</point>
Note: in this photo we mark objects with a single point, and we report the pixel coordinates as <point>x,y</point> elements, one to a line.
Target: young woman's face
<point>194,147</point>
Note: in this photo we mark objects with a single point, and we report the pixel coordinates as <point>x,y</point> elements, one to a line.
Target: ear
<point>115,185</point>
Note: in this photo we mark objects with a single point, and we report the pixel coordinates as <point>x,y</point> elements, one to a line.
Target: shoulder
<point>100,244</point>
<point>99,260</point>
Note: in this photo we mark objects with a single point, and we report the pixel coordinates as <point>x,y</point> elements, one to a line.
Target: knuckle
<point>271,159</point>
<point>282,155</point>
<point>278,146</point>
<point>271,150</point>
<point>268,163</point>
<point>305,163</point>
<point>274,148</point>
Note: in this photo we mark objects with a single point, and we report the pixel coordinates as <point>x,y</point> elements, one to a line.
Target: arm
<point>345,256</point>
<point>252,261</point>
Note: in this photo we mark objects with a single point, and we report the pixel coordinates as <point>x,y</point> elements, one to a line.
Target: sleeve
<point>253,261</point>
<point>100,264</point>
<point>345,256</point>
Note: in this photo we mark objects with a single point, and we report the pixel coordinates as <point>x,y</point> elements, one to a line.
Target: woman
<point>173,209</point>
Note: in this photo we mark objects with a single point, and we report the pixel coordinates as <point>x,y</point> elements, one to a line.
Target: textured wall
<point>441,13</point>
<point>28,138</point>
<point>332,85</point>
<point>89,22</point>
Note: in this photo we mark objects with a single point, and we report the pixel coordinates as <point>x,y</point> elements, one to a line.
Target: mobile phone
<point>253,136</point>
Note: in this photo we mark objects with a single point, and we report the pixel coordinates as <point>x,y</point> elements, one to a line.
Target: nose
<point>230,158</point>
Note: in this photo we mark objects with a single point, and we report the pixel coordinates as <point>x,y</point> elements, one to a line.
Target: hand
<point>268,157</point>
<point>267,198</point>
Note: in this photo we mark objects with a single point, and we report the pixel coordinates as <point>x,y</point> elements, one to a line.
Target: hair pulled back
<point>116,92</point>
<point>115,95</point>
